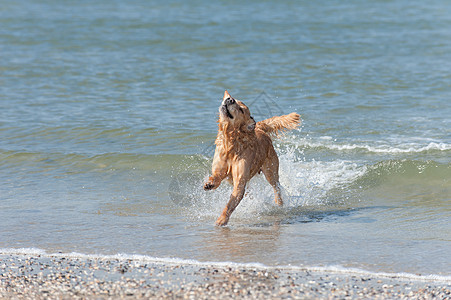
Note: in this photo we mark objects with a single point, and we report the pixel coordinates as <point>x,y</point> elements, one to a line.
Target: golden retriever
<point>243,149</point>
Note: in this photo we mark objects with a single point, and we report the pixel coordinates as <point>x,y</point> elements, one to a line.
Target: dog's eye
<point>241,110</point>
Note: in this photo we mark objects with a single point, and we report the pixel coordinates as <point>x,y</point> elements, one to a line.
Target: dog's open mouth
<point>225,111</point>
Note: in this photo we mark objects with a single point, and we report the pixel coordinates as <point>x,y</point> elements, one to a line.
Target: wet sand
<point>56,277</point>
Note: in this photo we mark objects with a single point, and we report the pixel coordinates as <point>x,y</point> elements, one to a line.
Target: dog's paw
<point>222,221</point>
<point>208,186</point>
<point>279,201</point>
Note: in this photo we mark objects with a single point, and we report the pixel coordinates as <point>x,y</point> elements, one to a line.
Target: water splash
<point>304,184</point>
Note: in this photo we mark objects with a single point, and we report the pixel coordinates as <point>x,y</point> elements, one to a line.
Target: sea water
<point>108,116</point>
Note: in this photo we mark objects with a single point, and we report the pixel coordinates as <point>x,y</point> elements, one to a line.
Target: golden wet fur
<point>243,149</point>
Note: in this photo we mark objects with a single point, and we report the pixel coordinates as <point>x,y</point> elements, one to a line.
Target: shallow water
<point>108,116</point>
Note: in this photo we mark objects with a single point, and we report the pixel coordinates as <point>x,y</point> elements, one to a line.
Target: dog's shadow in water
<point>300,215</point>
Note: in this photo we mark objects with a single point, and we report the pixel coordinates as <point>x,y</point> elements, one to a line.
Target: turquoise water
<point>108,115</point>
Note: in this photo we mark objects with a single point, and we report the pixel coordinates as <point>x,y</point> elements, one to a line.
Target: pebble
<point>76,278</point>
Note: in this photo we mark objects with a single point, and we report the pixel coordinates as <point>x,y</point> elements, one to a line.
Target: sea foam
<point>403,148</point>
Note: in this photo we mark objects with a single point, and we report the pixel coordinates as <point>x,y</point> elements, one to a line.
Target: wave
<point>305,183</point>
<point>180,261</point>
<point>345,182</point>
<point>302,179</point>
<point>308,185</point>
<point>405,169</point>
<point>327,143</point>
<point>113,159</point>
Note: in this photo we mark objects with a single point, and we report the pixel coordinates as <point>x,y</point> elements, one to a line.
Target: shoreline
<point>53,276</point>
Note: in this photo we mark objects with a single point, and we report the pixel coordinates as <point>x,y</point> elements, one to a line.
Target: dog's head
<point>235,114</point>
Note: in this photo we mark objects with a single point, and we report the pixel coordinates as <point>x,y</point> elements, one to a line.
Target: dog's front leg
<point>235,198</point>
<point>240,178</point>
<point>219,171</point>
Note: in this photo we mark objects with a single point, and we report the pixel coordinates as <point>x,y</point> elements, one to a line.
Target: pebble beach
<point>69,277</point>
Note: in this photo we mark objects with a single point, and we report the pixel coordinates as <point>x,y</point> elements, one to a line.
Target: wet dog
<point>243,149</point>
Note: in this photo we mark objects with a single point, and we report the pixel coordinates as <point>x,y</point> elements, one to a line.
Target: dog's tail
<point>279,124</point>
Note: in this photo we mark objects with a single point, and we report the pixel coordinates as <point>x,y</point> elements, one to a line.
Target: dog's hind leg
<point>271,170</point>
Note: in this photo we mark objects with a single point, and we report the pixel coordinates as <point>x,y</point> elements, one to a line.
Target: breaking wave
<point>327,143</point>
<point>306,184</point>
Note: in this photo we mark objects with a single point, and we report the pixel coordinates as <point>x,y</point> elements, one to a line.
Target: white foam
<point>310,182</point>
<point>328,143</point>
<point>304,183</point>
<point>361,272</point>
<point>192,262</point>
<point>23,251</point>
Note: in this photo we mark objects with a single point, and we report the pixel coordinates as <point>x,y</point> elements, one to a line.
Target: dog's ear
<point>226,95</point>
<point>250,124</point>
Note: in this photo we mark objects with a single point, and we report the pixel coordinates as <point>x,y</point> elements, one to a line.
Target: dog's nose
<point>229,101</point>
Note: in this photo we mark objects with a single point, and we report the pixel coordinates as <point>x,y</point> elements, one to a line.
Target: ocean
<point>108,115</point>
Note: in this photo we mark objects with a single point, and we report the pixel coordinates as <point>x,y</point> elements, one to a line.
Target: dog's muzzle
<point>225,111</point>
<point>224,107</point>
